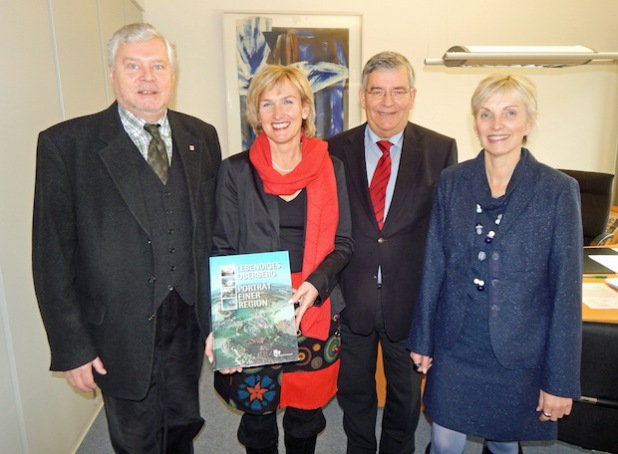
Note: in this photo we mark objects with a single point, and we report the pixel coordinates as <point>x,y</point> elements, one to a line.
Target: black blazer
<point>92,259</point>
<point>248,221</point>
<point>399,247</point>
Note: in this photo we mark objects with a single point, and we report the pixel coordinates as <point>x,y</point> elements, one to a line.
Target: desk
<point>592,267</point>
<point>593,425</point>
<point>588,315</point>
<point>599,315</point>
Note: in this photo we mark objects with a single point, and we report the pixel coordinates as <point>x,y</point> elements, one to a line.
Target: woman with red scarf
<point>287,193</point>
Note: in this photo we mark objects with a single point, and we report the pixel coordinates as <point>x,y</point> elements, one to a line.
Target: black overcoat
<point>93,263</point>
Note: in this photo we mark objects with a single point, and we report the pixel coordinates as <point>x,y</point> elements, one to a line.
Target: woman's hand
<point>305,296</point>
<point>552,407</point>
<point>210,354</point>
<point>422,363</point>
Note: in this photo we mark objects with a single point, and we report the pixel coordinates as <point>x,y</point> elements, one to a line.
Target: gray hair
<point>137,33</point>
<point>387,60</point>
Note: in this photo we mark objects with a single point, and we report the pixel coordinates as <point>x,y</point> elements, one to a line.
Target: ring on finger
<point>547,415</point>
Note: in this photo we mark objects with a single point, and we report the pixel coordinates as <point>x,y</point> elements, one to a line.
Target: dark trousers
<point>357,391</point>
<point>168,418</point>
<point>259,432</point>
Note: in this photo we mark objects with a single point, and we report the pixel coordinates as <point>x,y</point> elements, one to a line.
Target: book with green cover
<point>252,320</point>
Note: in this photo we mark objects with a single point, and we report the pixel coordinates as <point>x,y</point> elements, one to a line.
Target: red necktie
<point>379,181</point>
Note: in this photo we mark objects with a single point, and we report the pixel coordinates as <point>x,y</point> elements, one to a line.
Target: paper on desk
<point>599,296</point>
<point>608,261</point>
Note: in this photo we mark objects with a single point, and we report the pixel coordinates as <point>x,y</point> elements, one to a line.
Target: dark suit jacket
<point>535,292</point>
<point>399,247</point>
<point>92,259</point>
<point>248,222</point>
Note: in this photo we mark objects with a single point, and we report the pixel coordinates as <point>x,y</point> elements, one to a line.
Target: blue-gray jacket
<point>535,297</point>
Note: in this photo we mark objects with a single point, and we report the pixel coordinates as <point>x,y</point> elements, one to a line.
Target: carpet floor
<point>219,433</point>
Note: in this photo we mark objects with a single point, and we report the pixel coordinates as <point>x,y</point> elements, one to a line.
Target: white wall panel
<point>578,124</point>
<point>52,69</point>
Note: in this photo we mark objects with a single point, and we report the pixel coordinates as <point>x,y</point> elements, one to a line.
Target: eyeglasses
<point>396,93</point>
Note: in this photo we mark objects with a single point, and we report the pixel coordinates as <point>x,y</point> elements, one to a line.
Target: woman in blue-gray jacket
<point>497,326</point>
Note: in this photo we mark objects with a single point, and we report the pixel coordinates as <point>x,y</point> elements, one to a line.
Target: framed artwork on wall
<point>327,48</point>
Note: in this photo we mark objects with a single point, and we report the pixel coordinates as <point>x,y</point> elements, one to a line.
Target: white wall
<point>53,68</point>
<point>53,61</point>
<point>578,125</point>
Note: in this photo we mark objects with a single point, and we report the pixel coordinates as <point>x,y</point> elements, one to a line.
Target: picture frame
<point>326,47</point>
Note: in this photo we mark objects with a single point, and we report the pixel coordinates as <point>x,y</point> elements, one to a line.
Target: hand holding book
<point>305,295</point>
<point>210,354</point>
<point>252,322</point>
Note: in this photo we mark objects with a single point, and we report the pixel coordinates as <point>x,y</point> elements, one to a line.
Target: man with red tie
<point>392,167</point>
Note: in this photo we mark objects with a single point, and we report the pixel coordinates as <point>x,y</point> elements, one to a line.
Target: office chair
<point>593,422</point>
<point>596,195</point>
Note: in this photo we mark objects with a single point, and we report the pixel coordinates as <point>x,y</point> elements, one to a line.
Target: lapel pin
<point>191,147</point>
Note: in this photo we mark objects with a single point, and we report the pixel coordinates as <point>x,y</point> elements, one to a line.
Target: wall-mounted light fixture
<point>523,56</point>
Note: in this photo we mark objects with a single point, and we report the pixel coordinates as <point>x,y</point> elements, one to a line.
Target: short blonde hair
<point>275,75</point>
<point>499,84</point>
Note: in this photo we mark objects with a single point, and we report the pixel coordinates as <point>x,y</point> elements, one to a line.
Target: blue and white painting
<point>322,54</point>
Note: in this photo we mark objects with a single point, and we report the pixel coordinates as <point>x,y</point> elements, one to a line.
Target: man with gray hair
<point>123,217</point>
<point>391,167</point>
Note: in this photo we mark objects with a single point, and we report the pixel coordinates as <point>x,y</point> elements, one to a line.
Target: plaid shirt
<point>134,126</point>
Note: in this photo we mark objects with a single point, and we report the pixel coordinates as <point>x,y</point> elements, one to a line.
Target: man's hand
<point>82,377</point>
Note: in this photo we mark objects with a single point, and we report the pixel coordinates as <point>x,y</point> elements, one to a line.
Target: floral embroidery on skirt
<point>257,390</point>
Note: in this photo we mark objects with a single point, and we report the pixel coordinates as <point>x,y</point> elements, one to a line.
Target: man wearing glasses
<point>392,167</point>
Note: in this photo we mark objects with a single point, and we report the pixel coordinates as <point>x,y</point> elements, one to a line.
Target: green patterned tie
<point>157,154</point>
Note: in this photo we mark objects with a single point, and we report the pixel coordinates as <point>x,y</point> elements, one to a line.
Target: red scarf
<point>315,172</point>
